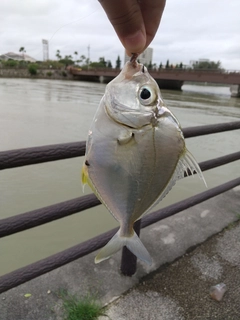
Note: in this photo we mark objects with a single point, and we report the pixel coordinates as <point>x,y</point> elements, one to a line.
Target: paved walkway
<point>175,287</point>
<point>180,291</point>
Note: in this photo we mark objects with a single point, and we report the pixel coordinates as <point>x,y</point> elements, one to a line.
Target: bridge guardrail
<point>24,221</point>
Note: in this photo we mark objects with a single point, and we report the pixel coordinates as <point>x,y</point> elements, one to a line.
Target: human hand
<point>135,21</point>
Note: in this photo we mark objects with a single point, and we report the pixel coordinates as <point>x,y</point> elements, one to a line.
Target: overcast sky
<point>189,30</point>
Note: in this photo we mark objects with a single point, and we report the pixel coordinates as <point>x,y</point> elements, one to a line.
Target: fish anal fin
<point>117,242</point>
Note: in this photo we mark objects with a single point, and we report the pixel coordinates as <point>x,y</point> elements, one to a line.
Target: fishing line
<point>61,27</point>
<point>69,23</point>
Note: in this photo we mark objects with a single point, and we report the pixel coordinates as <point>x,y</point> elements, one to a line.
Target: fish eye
<point>146,95</point>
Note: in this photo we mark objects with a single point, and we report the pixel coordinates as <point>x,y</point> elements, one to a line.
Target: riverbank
<point>172,288</point>
<point>56,74</point>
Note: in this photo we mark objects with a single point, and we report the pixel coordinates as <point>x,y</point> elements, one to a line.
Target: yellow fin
<point>84,174</point>
<point>86,179</point>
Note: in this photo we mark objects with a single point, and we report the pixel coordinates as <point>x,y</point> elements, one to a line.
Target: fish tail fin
<point>117,242</point>
<point>135,245</point>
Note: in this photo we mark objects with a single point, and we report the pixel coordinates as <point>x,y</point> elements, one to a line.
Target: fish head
<point>133,98</point>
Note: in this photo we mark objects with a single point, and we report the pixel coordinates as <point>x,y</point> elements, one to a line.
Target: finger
<point>126,18</point>
<point>151,12</point>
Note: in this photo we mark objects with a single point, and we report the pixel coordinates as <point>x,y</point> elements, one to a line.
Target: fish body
<point>135,153</point>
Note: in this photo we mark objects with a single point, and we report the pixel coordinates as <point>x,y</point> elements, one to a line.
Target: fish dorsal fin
<point>185,163</point>
<point>188,162</point>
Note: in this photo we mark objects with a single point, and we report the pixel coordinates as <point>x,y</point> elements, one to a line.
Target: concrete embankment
<point>175,287</point>
<point>57,74</point>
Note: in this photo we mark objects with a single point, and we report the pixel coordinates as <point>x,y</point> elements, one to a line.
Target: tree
<point>76,54</point>
<point>207,65</point>
<point>167,64</point>
<point>58,55</point>
<point>180,65</point>
<point>118,63</point>
<point>150,66</point>
<point>82,60</point>
<point>32,69</point>
<point>109,64</point>
<point>22,49</point>
<point>102,62</point>
<point>67,60</point>
<point>87,61</point>
<point>10,63</point>
<point>160,66</point>
<point>82,57</point>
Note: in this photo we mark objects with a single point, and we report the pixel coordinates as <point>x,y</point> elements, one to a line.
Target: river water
<point>40,112</point>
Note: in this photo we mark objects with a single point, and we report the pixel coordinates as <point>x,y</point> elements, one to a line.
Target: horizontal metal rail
<point>27,156</point>
<point>44,215</point>
<point>191,132</point>
<point>24,157</point>
<point>41,267</point>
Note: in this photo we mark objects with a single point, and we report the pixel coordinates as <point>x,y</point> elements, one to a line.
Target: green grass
<point>238,216</point>
<point>85,308</point>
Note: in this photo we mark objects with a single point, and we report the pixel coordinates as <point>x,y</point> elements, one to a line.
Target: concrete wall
<point>235,90</point>
<point>41,74</point>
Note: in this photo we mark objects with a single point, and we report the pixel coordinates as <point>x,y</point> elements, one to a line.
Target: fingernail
<point>135,42</point>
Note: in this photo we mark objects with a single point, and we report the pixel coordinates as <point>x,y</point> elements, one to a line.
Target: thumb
<point>126,18</point>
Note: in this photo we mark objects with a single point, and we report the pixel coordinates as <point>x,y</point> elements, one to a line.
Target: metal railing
<point>24,221</point>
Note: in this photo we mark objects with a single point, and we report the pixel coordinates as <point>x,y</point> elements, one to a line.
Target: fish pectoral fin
<point>117,242</point>
<point>125,137</point>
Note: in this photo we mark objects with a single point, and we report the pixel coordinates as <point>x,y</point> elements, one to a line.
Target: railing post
<point>129,260</point>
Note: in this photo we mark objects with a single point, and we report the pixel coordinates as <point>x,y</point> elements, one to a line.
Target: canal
<point>40,112</point>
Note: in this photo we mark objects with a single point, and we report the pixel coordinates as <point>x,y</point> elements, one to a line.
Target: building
<point>144,58</point>
<point>17,56</point>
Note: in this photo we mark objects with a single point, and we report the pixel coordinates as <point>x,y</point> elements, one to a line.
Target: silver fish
<point>135,153</point>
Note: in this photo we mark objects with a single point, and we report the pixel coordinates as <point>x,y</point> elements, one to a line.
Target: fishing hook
<point>133,59</point>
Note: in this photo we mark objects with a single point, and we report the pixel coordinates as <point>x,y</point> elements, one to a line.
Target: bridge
<point>166,78</point>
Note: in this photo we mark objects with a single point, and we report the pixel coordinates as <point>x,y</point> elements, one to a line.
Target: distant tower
<point>88,54</point>
<point>45,50</point>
